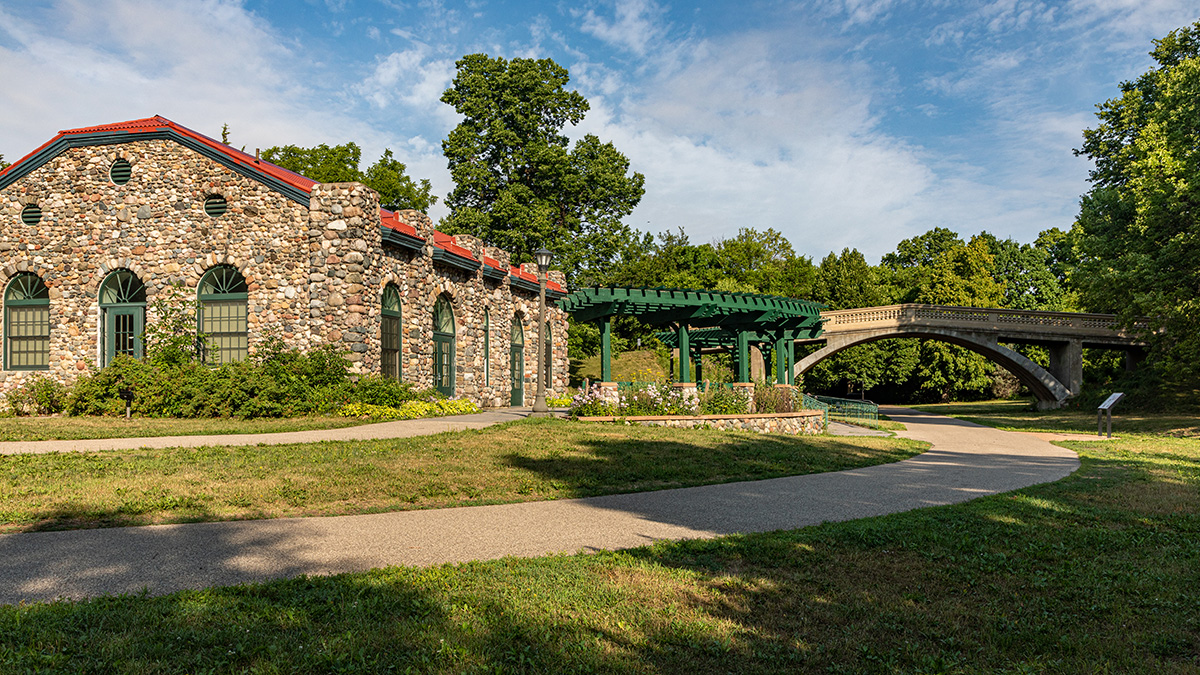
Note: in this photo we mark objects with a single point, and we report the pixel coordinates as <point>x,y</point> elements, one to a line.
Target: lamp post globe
<point>543,258</point>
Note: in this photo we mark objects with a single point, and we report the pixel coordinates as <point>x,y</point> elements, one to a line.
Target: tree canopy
<point>1138,227</point>
<point>518,182</point>
<point>340,164</point>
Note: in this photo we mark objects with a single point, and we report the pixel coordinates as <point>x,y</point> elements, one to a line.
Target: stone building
<point>98,221</point>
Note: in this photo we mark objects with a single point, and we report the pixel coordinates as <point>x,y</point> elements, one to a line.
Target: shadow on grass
<point>1055,578</point>
<point>618,464</point>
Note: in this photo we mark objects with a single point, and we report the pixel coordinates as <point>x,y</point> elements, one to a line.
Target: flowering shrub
<point>588,403</point>
<point>563,401</point>
<point>655,398</point>
<point>409,410</point>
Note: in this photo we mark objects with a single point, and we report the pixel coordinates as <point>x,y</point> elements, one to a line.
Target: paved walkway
<point>395,429</point>
<point>966,461</point>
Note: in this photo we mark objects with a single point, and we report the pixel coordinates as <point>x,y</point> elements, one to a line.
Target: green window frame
<point>443,346</point>
<point>516,362</point>
<point>390,338</point>
<point>122,315</point>
<point>222,315</point>
<point>26,323</point>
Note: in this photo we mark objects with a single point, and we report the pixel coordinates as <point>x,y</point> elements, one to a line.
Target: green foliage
<point>38,395</point>
<point>173,339</point>
<point>724,401</point>
<point>769,399</point>
<point>518,184</point>
<point>1137,232</point>
<point>409,410</point>
<point>340,164</point>
<point>3,164</point>
<point>277,383</point>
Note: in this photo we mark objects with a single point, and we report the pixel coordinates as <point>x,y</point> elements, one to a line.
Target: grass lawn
<point>1017,416</point>
<point>521,461</point>
<point>1096,573</point>
<point>626,367</point>
<point>76,428</point>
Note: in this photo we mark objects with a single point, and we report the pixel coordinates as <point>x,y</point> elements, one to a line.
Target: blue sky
<point>841,123</point>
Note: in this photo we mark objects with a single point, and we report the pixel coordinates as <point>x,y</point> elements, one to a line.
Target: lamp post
<point>543,257</point>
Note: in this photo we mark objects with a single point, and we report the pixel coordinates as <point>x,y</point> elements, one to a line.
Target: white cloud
<point>635,26</point>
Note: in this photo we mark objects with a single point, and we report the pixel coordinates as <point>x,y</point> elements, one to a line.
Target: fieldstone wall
<point>807,422</point>
<point>315,272</point>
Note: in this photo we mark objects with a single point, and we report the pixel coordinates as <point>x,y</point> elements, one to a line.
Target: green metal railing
<point>811,403</point>
<point>846,408</point>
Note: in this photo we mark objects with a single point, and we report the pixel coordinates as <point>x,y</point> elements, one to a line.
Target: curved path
<point>966,461</point>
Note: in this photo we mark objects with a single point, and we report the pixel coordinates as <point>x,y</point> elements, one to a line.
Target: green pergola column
<point>606,350</point>
<point>789,352</point>
<point>743,356</point>
<point>685,354</point>
<point>781,359</point>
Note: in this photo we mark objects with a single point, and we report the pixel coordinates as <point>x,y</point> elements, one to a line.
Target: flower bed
<point>805,422</point>
<point>765,409</point>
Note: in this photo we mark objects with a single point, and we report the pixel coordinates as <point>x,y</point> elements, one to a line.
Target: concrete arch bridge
<point>983,330</point>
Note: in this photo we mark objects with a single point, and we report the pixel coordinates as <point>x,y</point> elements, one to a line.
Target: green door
<point>443,363</point>
<point>123,332</point>
<point>516,364</point>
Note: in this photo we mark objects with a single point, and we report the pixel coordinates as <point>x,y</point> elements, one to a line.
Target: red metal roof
<point>516,271</point>
<point>445,241</point>
<point>391,220</point>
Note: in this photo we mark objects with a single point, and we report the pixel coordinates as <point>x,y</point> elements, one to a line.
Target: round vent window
<point>215,206</point>
<point>31,215</point>
<point>120,172</point>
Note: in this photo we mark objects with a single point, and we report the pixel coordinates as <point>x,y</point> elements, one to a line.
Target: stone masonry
<point>315,271</point>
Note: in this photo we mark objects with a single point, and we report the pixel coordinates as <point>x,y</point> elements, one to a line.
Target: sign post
<point>1106,409</point>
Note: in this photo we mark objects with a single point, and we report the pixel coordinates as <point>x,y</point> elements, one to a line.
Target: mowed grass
<point>1016,415</point>
<point>520,461</point>
<point>77,428</point>
<point>1096,573</point>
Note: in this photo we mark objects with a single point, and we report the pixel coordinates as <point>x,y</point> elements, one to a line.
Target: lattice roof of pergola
<point>695,308</point>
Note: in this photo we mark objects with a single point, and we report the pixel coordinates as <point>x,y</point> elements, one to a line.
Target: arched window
<point>487,348</point>
<point>516,362</point>
<point>221,314</point>
<point>443,346</point>
<point>389,333</point>
<point>26,323</point>
<point>122,315</point>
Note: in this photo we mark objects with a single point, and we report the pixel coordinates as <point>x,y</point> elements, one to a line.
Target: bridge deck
<point>1008,325</point>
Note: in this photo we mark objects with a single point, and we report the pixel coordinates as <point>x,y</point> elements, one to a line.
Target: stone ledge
<point>808,422</point>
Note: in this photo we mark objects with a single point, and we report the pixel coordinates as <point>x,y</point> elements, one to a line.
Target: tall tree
<point>518,183</point>
<point>340,164</point>
<point>3,164</point>
<point>1138,228</point>
<point>846,282</point>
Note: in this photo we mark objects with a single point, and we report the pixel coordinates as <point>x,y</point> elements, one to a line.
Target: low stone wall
<point>805,422</point>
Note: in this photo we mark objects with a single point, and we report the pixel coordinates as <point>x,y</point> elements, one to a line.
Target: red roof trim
<point>391,220</point>
<point>158,123</point>
<point>446,242</point>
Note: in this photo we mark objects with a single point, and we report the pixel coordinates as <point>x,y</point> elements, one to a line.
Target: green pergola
<point>700,320</point>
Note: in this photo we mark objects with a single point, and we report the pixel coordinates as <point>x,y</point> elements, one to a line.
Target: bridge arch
<point>1048,390</point>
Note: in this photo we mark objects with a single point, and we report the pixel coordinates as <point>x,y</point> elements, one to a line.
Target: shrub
<point>724,401</point>
<point>410,410</point>
<point>39,395</point>
<point>378,390</point>
<point>588,403</point>
<point>768,399</point>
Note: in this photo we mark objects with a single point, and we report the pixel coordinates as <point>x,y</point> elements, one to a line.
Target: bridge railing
<point>979,319</point>
<point>848,408</point>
